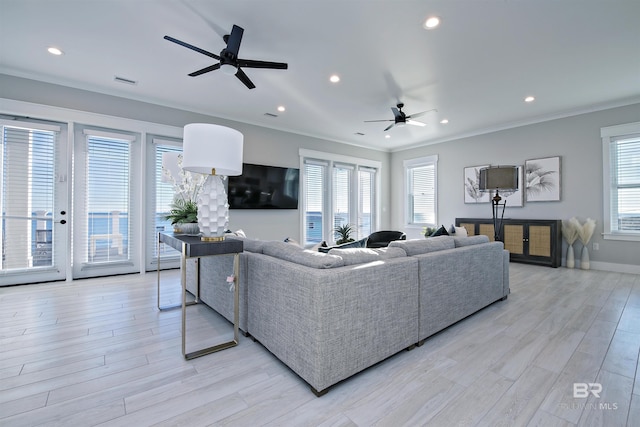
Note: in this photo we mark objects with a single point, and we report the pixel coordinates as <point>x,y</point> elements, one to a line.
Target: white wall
<point>261,145</point>
<point>575,139</point>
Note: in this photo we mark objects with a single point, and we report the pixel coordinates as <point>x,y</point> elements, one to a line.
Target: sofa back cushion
<point>296,254</point>
<point>351,256</point>
<point>471,240</point>
<point>423,246</point>
<point>249,245</point>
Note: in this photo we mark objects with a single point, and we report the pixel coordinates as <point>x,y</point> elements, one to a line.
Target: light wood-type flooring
<point>98,352</point>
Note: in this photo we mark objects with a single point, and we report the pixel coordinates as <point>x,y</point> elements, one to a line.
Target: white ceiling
<point>475,69</point>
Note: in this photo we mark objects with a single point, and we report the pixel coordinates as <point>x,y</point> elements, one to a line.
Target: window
<point>421,191</point>
<point>337,190</point>
<point>621,154</point>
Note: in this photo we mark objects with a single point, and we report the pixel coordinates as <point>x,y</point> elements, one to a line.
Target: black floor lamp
<point>498,178</point>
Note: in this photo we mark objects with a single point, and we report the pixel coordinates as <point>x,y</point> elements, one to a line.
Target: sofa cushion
<point>352,256</point>
<point>296,254</point>
<point>423,246</point>
<point>471,240</point>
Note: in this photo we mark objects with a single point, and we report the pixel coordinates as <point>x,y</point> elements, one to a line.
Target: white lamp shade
<point>212,149</point>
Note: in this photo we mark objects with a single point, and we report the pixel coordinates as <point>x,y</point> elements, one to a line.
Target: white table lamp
<point>217,152</point>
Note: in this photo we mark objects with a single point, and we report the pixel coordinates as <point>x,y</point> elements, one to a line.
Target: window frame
<point>408,165</point>
<point>330,161</point>
<point>611,135</point>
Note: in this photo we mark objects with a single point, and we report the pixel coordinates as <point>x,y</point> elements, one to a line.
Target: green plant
<point>427,231</point>
<point>183,211</point>
<point>343,232</point>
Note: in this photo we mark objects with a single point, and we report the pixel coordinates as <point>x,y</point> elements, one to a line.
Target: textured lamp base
<point>213,209</point>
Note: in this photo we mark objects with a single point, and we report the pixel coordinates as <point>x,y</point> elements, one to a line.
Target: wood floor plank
<point>98,352</point>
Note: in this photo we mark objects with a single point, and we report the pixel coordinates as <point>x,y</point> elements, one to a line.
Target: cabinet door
<point>514,238</point>
<point>540,240</point>
<point>487,230</point>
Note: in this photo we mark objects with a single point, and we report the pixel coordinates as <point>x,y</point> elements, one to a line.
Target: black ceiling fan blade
<point>188,46</point>
<point>413,116</point>
<point>371,121</point>
<point>245,79</point>
<point>389,127</point>
<point>205,70</point>
<point>249,63</point>
<point>234,40</point>
<point>397,113</point>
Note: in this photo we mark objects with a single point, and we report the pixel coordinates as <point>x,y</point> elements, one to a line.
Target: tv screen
<point>264,187</point>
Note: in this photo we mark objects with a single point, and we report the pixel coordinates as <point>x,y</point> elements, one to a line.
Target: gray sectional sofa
<point>331,315</point>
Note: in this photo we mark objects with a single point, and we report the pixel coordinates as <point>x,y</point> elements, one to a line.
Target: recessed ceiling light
<point>54,51</point>
<point>431,22</point>
<point>281,108</point>
<point>334,78</point>
<point>444,121</point>
<point>529,99</point>
<point>387,136</point>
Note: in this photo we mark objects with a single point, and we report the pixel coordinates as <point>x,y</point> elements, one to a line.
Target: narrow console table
<point>193,247</point>
<point>532,241</point>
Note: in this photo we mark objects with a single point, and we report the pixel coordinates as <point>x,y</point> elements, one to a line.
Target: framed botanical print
<point>542,178</point>
<point>472,193</point>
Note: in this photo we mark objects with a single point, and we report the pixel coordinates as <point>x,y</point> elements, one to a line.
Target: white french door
<point>34,202</point>
<point>106,230</point>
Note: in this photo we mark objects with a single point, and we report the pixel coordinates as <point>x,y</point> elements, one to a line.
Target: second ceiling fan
<point>229,61</point>
<point>400,118</point>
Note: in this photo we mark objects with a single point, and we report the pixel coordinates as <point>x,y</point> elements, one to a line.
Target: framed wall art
<point>472,193</point>
<point>542,178</point>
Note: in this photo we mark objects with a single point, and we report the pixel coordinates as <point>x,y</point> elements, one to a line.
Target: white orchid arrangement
<point>186,185</point>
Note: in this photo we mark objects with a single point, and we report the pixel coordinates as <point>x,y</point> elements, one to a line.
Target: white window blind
<point>625,183</point>
<point>314,208</point>
<point>164,193</point>
<point>342,177</point>
<point>105,222</point>
<point>366,200</point>
<point>27,199</point>
<point>421,191</point>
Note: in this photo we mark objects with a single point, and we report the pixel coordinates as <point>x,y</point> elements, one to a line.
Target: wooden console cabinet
<point>533,241</point>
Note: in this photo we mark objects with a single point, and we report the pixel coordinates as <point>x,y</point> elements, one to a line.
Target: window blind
<point>422,194</point>
<point>27,199</point>
<point>625,183</point>
<point>105,222</point>
<point>314,184</point>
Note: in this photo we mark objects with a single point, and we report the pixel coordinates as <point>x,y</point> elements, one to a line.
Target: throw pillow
<point>353,256</point>
<point>440,232</point>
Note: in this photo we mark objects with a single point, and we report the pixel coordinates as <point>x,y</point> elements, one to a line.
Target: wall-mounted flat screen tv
<point>264,187</point>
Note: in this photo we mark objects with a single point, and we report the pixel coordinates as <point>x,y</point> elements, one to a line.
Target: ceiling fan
<point>400,118</point>
<point>229,61</point>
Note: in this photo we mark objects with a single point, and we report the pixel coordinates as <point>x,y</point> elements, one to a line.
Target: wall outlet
<point>596,246</point>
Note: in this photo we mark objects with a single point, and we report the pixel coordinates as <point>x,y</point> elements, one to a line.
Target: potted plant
<point>343,232</point>
<point>184,216</point>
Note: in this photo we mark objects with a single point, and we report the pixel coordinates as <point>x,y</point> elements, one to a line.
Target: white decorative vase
<point>213,208</point>
<point>584,260</point>
<point>571,259</point>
